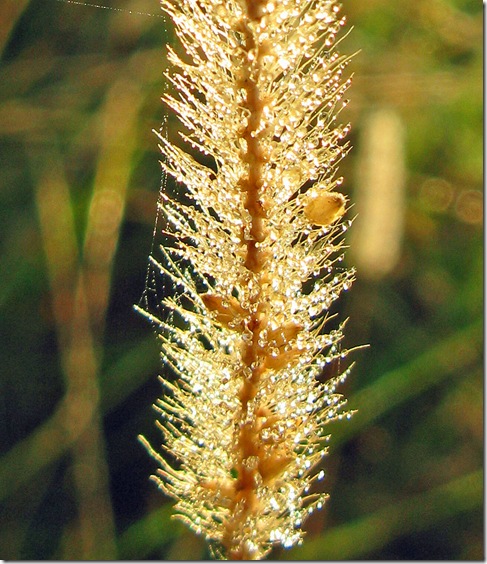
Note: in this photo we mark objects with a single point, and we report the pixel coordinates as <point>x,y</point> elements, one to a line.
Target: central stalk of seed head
<point>252,353</point>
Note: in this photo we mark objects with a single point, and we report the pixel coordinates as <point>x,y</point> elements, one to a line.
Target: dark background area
<point>80,92</point>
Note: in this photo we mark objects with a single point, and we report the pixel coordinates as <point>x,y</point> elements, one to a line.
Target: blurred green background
<point>80,93</point>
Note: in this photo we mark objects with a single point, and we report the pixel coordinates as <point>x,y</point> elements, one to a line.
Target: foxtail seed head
<point>250,267</point>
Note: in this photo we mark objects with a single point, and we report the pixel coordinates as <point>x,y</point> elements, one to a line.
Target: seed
<point>325,208</point>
